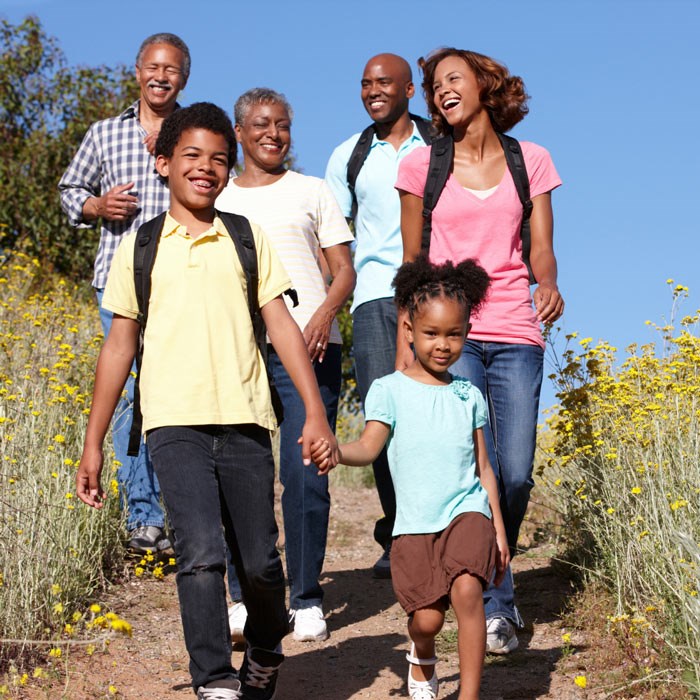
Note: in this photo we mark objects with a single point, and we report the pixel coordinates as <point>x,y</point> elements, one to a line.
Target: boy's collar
<point>172,226</point>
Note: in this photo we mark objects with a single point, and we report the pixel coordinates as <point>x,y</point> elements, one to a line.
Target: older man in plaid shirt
<point>113,178</point>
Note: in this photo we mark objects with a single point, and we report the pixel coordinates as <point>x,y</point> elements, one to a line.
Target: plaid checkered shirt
<point>112,153</point>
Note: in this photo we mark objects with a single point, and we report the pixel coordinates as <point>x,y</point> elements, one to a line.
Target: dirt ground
<point>365,654</point>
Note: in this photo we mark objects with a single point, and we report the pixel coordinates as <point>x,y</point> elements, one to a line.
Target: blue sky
<point>614,98</point>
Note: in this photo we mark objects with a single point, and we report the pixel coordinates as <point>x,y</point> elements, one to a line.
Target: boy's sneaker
<point>309,625</point>
<point>500,636</point>
<point>258,673</point>
<point>147,539</point>
<point>382,567</point>
<point>232,691</point>
<point>237,616</point>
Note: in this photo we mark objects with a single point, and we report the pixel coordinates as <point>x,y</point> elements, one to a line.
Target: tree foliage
<point>46,106</point>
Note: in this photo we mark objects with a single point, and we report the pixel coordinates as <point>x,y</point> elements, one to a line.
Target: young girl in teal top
<point>449,534</point>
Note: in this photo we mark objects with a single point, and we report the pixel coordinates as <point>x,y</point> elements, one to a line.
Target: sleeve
<point>81,180</point>
<point>540,169</point>
<point>333,229</point>
<point>479,412</point>
<point>273,279</point>
<point>379,405</point>
<point>413,171</point>
<point>337,180</point>
<point>120,290</point>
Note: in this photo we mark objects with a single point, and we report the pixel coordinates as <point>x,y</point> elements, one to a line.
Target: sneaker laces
<point>257,675</point>
<point>218,694</point>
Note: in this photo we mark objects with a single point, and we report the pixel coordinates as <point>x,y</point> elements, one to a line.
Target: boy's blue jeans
<point>138,485</point>
<point>510,377</point>
<point>210,475</point>
<point>305,499</point>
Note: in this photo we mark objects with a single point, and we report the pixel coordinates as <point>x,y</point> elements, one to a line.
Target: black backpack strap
<point>441,156</point>
<point>425,128</point>
<point>145,248</point>
<point>356,161</point>
<point>518,171</point>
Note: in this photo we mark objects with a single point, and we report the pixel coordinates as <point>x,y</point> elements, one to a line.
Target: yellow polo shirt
<point>201,365</point>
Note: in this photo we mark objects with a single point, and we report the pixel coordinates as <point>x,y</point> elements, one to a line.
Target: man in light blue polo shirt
<point>387,86</point>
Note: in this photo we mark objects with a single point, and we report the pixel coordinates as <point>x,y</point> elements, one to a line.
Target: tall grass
<point>624,466</point>
<point>55,553</point>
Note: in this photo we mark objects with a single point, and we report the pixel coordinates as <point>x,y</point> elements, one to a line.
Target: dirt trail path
<point>364,657</point>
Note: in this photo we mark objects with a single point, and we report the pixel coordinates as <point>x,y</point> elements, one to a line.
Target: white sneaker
<point>309,625</point>
<point>232,693</point>
<point>237,616</point>
<point>500,636</point>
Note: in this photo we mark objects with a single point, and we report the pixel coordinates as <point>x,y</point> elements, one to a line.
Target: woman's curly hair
<point>502,94</point>
<point>417,282</point>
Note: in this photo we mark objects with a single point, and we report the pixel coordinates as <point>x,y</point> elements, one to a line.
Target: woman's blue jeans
<point>212,475</point>
<point>138,485</point>
<point>306,501</point>
<point>510,377</point>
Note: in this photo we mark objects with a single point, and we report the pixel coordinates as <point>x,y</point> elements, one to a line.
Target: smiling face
<point>386,88</point>
<point>437,331</point>
<point>456,92</point>
<point>197,171</point>
<point>265,136</point>
<point>160,75</point>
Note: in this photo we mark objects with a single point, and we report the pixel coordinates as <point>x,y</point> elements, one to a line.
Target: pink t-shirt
<point>487,230</point>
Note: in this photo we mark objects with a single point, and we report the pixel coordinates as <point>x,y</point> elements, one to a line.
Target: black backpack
<point>361,151</point>
<point>145,249</point>
<point>441,157</point>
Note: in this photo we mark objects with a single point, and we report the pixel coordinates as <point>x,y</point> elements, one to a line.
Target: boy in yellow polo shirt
<point>206,405</point>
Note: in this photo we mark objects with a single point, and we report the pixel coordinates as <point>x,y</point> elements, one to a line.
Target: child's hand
<point>503,558</point>
<point>87,480</point>
<point>321,455</point>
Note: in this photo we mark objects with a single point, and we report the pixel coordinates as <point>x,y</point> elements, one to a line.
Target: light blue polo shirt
<point>431,449</point>
<point>378,250</point>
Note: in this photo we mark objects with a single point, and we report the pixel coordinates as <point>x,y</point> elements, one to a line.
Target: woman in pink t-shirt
<point>478,216</point>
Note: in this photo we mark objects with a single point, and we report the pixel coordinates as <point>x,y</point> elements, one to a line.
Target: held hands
<point>87,480</point>
<point>116,204</point>
<point>549,303</point>
<point>321,456</point>
<point>317,439</point>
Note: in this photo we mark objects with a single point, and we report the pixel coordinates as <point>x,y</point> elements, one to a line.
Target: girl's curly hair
<point>502,94</point>
<point>417,282</point>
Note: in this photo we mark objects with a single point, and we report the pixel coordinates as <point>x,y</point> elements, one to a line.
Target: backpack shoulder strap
<point>516,164</point>
<point>441,156</point>
<point>145,249</point>
<point>425,128</point>
<point>356,161</point>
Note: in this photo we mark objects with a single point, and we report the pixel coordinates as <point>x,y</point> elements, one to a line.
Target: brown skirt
<point>424,567</point>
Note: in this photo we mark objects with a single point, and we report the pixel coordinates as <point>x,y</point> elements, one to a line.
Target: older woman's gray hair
<point>256,96</point>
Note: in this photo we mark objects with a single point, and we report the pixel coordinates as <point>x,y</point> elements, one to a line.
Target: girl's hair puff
<point>502,94</point>
<point>417,282</point>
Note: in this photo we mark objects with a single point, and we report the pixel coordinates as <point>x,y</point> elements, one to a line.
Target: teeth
<point>201,183</point>
<point>448,104</point>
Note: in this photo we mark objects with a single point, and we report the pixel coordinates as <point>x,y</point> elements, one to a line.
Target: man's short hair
<point>167,38</point>
<point>200,115</point>
<point>256,96</point>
